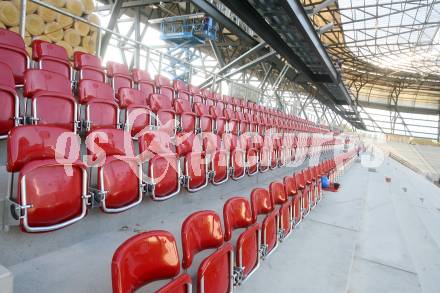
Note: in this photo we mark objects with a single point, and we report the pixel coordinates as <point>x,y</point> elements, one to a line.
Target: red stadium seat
<point>10,109</point>
<point>195,171</point>
<point>145,258</point>
<point>163,165</point>
<point>237,214</point>
<point>88,66</point>
<point>317,184</point>
<point>143,81</point>
<point>164,87</point>
<point>302,189</point>
<point>217,156</point>
<point>220,121</point>
<point>200,231</point>
<point>165,116</point>
<point>237,156</point>
<point>291,189</point>
<point>262,205</point>
<point>13,53</point>
<point>181,89</point>
<point>187,118</point>
<point>119,185</point>
<point>51,98</point>
<point>280,198</point>
<point>51,57</point>
<point>196,94</point>
<point>233,122</point>
<point>205,119</point>
<point>51,195</point>
<point>247,142</point>
<point>310,189</point>
<point>137,111</point>
<point>101,109</point>
<point>119,76</point>
<point>243,124</point>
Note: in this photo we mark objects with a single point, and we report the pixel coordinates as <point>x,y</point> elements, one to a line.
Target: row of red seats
<point>48,88</point>
<point>43,155</point>
<point>267,219</point>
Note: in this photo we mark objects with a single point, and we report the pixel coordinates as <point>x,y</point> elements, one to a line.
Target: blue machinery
<point>185,31</point>
<point>188,29</point>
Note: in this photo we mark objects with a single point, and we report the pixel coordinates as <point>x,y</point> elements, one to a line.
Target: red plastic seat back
<point>299,179</point>
<point>110,142</point>
<point>51,93</point>
<point>261,202</point>
<point>51,57</point>
<point>13,53</point>
<point>211,142</point>
<point>156,142</point>
<point>91,89</point>
<point>277,192</point>
<point>187,143</point>
<point>182,106</point>
<point>144,258</point>
<point>237,214</point>
<point>119,75</point>
<point>37,142</point>
<point>290,185</point>
<point>179,85</point>
<point>8,99</point>
<point>43,80</point>
<point>161,80</point>
<point>164,85</point>
<point>160,102</point>
<point>144,81</point>
<point>129,96</point>
<point>89,66</point>
<point>201,230</point>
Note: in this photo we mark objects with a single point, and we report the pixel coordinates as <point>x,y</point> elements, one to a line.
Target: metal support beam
<point>137,35</point>
<point>266,77</point>
<point>235,61</point>
<point>114,15</point>
<point>217,53</point>
<point>224,21</point>
<point>132,4</point>
<point>23,4</point>
<point>244,67</point>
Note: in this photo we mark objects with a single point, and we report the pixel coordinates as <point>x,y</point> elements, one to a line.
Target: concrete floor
<point>372,236</point>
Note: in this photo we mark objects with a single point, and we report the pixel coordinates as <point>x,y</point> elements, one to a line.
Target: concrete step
<point>381,262</point>
<point>416,227</point>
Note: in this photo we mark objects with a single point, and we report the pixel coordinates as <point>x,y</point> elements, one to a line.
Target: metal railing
<point>155,59</point>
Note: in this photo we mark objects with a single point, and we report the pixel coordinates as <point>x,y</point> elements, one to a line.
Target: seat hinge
<point>77,124</point>
<point>263,250</point>
<point>231,171</point>
<point>238,275</point>
<point>143,187</point>
<point>184,180</point>
<point>88,197</point>
<point>281,234</point>
<point>86,125</point>
<point>211,174</point>
<point>19,120</point>
<point>17,210</point>
<point>98,196</point>
<point>32,120</point>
